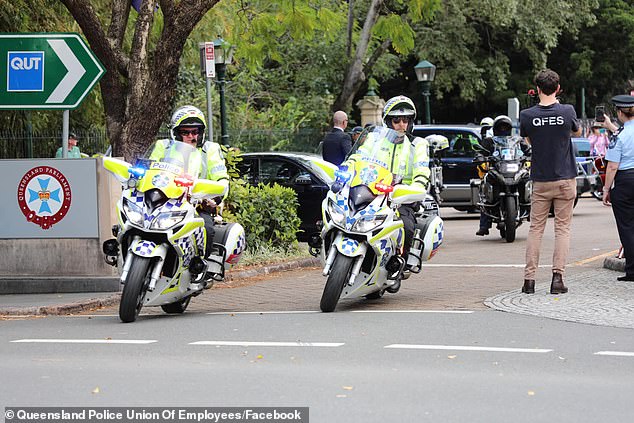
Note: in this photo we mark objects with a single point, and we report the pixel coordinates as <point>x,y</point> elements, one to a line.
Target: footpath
<point>595,296</point>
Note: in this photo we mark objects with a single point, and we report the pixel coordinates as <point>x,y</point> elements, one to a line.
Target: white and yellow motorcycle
<point>363,235</point>
<point>160,239</point>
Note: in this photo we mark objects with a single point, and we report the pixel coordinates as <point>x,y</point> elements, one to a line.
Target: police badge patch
<point>613,140</point>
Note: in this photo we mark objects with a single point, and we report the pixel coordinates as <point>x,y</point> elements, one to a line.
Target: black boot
<point>529,286</point>
<point>628,278</point>
<point>557,285</point>
<point>482,232</point>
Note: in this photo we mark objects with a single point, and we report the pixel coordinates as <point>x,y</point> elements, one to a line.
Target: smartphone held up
<point>599,113</point>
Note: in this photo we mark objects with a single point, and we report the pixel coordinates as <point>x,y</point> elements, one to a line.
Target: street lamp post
<point>425,73</point>
<point>223,53</point>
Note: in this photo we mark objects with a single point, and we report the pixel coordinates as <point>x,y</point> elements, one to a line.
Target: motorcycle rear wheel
<point>339,274</point>
<point>510,224</point>
<point>178,307</point>
<point>134,289</point>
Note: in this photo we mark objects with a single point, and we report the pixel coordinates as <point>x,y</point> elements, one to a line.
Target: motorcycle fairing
<point>144,248</point>
<point>348,246</point>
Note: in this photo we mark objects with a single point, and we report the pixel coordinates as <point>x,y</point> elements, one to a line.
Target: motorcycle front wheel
<point>510,219</point>
<point>339,274</point>
<point>134,289</point>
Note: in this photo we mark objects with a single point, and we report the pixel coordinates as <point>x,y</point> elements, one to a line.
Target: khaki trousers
<point>561,195</point>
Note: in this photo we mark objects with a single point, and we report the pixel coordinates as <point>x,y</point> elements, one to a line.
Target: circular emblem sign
<point>44,196</point>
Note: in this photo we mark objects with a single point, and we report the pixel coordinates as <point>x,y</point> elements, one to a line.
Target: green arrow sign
<point>46,71</point>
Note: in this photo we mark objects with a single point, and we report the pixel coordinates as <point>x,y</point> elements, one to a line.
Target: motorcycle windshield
<point>175,157</point>
<point>385,148</point>
<point>507,148</point>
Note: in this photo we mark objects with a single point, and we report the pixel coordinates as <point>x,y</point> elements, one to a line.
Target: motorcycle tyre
<point>337,278</point>
<point>134,289</point>
<point>598,194</point>
<point>510,224</point>
<point>178,307</point>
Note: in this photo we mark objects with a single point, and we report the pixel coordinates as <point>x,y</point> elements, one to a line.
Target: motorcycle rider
<point>502,127</point>
<point>486,127</point>
<point>409,157</point>
<point>188,126</point>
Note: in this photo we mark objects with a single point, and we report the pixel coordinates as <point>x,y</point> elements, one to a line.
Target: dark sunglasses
<point>183,132</point>
<point>401,119</point>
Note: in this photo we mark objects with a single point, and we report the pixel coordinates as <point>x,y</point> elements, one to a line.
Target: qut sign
<point>26,71</point>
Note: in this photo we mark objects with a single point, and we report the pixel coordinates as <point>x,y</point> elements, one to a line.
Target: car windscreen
<point>462,143</point>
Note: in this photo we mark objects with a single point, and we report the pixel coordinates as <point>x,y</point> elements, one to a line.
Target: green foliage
<point>267,213</point>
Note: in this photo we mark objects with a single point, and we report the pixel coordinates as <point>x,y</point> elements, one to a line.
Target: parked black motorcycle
<point>504,193</point>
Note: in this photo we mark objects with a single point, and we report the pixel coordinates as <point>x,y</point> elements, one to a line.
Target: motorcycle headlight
<point>509,167</point>
<point>338,216</point>
<point>168,219</point>
<point>368,223</point>
<point>133,212</point>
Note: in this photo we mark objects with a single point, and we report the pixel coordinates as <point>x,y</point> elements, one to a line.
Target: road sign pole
<point>210,128</point>
<point>65,119</point>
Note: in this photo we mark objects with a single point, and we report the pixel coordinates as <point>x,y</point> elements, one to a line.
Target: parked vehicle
<point>362,235</point>
<point>505,191</point>
<point>458,167</point>
<point>160,239</point>
<point>307,174</point>
<point>591,169</point>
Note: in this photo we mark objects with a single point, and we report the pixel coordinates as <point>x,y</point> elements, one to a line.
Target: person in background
<point>618,190</point>
<point>547,127</point>
<point>337,144</point>
<point>354,134</point>
<point>598,140</point>
<point>73,150</point>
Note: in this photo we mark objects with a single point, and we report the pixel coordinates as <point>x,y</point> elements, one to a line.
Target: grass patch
<point>271,255</point>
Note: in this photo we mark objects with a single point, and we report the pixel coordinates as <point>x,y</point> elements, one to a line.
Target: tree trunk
<point>137,90</point>
<point>355,74</point>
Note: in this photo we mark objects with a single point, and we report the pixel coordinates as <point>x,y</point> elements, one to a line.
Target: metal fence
<point>23,144</point>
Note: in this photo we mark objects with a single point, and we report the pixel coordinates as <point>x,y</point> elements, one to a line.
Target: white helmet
<point>188,116</point>
<point>486,121</point>
<point>399,106</point>
<point>502,126</point>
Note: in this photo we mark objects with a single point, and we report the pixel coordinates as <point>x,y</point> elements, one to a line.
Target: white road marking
<point>466,348</point>
<point>264,312</point>
<point>414,311</point>
<point>268,344</point>
<point>479,265</point>
<point>86,341</point>
<point>616,353</point>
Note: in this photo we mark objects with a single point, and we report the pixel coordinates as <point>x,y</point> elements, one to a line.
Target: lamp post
<point>223,53</point>
<point>425,72</point>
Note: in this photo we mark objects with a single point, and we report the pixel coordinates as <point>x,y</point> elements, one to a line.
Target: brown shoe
<point>529,286</point>
<point>557,285</point>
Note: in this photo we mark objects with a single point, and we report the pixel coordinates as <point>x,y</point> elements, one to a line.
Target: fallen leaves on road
<point>96,390</point>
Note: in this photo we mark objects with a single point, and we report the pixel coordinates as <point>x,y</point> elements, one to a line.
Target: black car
<point>458,167</point>
<point>307,174</point>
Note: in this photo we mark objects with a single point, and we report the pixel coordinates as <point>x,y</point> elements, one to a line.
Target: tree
<point>141,70</point>
<point>384,26</point>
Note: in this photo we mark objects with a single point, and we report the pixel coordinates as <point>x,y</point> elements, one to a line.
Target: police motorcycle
<point>362,234</point>
<point>504,192</point>
<point>160,239</point>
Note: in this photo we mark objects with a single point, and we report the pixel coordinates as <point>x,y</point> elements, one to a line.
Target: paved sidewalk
<point>73,303</point>
<point>595,298</point>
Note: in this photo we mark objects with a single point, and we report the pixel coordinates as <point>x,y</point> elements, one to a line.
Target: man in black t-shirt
<point>548,127</point>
